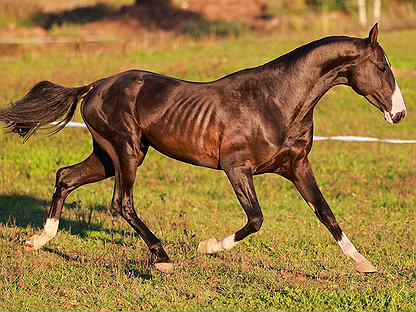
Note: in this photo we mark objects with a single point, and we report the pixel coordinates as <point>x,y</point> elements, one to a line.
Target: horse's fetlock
<point>158,253</point>
<point>256,223</point>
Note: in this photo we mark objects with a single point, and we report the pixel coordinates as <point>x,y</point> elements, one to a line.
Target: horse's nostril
<point>399,116</point>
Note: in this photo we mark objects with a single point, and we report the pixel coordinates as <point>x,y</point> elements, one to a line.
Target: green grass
<point>97,263</point>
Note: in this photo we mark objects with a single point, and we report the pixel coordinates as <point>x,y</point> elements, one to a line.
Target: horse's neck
<point>306,74</point>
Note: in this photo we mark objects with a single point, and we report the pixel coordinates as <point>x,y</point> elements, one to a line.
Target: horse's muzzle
<point>396,118</point>
<point>399,116</point>
<point>398,108</point>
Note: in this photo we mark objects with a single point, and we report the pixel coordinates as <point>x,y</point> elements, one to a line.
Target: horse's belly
<point>187,147</point>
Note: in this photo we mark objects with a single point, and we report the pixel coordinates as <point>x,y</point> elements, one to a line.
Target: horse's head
<point>373,78</point>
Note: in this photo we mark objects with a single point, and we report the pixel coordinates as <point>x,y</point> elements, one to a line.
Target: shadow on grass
<point>149,15</point>
<point>62,254</point>
<point>138,269</point>
<point>23,211</point>
<point>133,269</point>
<point>81,16</point>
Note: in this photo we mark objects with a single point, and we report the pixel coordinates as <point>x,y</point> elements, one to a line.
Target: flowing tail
<point>45,103</point>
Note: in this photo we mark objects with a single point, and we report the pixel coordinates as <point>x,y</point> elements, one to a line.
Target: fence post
<point>362,12</point>
<point>377,10</point>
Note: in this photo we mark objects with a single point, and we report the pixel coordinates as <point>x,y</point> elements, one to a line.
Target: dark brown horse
<point>257,120</point>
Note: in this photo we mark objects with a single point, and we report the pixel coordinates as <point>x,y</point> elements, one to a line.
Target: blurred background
<point>110,19</point>
<point>97,263</point>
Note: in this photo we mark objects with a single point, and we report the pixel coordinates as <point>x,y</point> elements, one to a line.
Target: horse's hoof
<point>208,246</point>
<point>164,267</point>
<point>365,266</point>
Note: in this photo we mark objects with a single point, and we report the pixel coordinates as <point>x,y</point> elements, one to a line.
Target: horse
<point>254,121</point>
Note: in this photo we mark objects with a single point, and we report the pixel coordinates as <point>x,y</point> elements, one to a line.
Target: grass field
<point>97,263</point>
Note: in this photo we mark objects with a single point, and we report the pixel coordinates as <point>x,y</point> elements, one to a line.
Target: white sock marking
<point>49,231</point>
<point>212,245</point>
<point>347,247</point>
<point>51,227</point>
<point>361,263</point>
<point>228,242</point>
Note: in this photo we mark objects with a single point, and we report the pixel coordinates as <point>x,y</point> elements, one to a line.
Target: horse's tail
<point>44,104</point>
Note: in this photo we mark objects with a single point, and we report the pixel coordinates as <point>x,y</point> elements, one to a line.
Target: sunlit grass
<point>98,263</point>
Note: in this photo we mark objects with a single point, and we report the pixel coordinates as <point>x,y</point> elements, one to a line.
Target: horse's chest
<point>280,156</point>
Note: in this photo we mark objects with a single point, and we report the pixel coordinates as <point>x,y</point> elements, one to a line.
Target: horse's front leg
<point>304,181</point>
<point>242,181</point>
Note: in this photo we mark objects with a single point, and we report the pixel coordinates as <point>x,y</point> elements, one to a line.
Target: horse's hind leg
<point>127,156</point>
<point>96,167</point>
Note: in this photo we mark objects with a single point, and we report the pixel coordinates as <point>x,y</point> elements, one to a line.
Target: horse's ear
<point>372,36</point>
